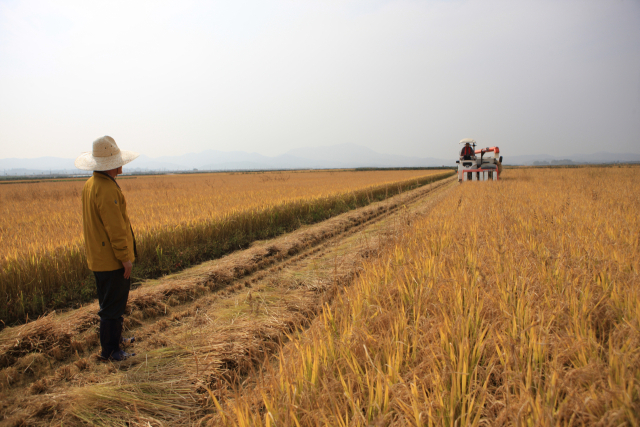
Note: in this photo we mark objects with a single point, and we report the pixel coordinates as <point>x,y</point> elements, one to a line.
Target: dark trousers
<point>113,292</point>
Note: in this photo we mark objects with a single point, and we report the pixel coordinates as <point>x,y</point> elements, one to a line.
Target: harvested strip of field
<point>193,340</point>
<point>515,303</point>
<point>56,274</point>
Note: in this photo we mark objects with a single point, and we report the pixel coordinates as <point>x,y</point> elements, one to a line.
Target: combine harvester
<point>471,167</point>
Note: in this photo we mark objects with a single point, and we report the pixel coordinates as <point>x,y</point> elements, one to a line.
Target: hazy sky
<point>404,77</point>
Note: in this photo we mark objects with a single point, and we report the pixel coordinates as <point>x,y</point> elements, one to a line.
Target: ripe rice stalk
<point>523,309</point>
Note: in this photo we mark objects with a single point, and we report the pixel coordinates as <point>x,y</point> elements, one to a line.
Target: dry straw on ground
<point>517,302</point>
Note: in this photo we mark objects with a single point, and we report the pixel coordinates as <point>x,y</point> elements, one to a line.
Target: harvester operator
<point>109,240</point>
<point>467,152</point>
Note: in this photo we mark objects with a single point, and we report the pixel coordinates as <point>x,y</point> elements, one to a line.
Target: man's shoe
<point>120,355</point>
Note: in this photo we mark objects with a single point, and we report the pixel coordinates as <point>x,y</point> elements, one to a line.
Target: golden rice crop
<point>517,302</point>
<point>177,219</point>
<point>46,216</point>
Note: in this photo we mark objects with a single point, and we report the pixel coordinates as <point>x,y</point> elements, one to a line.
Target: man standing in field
<point>109,240</point>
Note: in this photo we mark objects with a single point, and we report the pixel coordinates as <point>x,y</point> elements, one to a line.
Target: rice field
<point>178,220</point>
<point>51,212</point>
<point>451,311</point>
<point>513,303</point>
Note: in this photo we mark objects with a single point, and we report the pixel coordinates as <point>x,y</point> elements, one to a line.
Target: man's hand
<point>127,269</point>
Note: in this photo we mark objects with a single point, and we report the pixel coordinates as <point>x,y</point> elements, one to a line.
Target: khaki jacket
<point>108,236</point>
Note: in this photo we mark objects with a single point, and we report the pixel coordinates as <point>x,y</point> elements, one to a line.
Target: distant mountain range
<point>327,157</point>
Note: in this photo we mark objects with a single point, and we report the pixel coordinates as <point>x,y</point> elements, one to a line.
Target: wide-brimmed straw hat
<point>105,156</point>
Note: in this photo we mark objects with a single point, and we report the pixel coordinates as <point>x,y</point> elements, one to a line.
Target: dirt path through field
<point>199,331</point>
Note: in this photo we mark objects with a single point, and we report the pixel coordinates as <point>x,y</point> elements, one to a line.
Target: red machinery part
<point>485,150</point>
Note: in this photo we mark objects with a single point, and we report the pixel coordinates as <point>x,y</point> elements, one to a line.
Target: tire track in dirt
<point>200,330</point>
